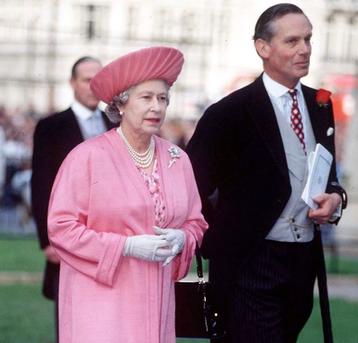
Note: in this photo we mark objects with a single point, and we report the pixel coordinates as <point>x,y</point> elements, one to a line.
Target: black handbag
<point>195,314</point>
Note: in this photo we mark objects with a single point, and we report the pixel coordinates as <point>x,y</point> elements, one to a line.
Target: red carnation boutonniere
<point>322,97</point>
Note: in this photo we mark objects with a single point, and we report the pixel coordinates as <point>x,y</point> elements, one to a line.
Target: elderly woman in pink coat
<point>125,213</point>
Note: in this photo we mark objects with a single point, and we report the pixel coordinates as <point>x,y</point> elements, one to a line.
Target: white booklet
<point>319,166</point>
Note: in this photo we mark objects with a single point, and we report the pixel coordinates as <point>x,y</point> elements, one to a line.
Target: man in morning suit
<point>262,240</point>
<point>55,136</point>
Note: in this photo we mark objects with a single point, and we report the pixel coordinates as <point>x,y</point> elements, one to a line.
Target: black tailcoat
<point>237,152</point>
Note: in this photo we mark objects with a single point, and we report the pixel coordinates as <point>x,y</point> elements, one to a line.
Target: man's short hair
<point>264,28</point>
<point>79,61</point>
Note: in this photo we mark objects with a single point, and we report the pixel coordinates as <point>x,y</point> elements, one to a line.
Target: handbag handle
<point>199,262</point>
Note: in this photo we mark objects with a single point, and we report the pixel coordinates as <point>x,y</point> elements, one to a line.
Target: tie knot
<point>293,93</point>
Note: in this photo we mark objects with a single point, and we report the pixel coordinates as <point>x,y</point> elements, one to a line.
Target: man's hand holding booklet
<point>319,166</point>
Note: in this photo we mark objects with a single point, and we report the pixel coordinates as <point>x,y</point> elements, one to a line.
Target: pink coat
<point>98,199</point>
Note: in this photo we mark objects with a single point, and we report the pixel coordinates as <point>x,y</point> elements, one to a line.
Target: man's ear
<point>71,81</point>
<point>262,48</point>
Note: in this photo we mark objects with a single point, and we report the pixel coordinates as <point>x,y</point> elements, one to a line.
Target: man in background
<point>55,136</point>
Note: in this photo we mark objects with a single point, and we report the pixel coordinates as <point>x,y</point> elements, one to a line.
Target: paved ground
<point>10,278</point>
<point>344,287</point>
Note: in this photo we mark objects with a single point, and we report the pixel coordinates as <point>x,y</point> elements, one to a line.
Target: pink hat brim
<point>163,63</point>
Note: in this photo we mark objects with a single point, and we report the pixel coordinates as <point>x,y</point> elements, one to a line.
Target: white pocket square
<point>330,131</point>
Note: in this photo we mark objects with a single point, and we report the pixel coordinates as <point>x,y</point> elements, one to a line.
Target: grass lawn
<point>20,254</point>
<point>341,265</point>
<point>25,316</point>
<point>344,322</point>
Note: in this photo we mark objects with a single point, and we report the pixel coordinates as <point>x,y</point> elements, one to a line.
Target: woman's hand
<point>176,239</point>
<point>147,247</point>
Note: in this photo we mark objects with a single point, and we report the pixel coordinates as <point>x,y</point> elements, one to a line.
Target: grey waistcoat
<point>293,225</point>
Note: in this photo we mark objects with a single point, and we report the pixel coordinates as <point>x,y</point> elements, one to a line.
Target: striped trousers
<point>269,298</point>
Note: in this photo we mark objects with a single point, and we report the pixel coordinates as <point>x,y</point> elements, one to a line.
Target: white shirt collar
<point>275,89</point>
<point>83,112</point>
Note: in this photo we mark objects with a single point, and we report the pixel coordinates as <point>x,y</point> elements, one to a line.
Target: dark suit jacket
<point>237,150</point>
<point>55,136</point>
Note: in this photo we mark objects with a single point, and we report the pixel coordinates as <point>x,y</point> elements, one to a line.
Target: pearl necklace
<point>142,160</point>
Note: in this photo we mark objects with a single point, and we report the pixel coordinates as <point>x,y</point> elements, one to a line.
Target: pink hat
<point>161,62</point>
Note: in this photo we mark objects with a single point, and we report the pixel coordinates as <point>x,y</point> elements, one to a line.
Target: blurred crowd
<point>16,130</point>
<point>16,133</point>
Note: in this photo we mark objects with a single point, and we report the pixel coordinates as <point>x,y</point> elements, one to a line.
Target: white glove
<point>175,237</point>
<point>147,247</point>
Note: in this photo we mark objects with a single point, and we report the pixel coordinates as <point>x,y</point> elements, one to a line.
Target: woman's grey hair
<point>112,110</point>
<point>264,28</point>
<point>121,99</point>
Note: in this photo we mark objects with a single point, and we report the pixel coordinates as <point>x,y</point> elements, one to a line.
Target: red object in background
<point>340,116</point>
<point>343,82</point>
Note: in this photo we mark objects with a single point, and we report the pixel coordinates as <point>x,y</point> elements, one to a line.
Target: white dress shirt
<point>91,122</point>
<point>282,101</point>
